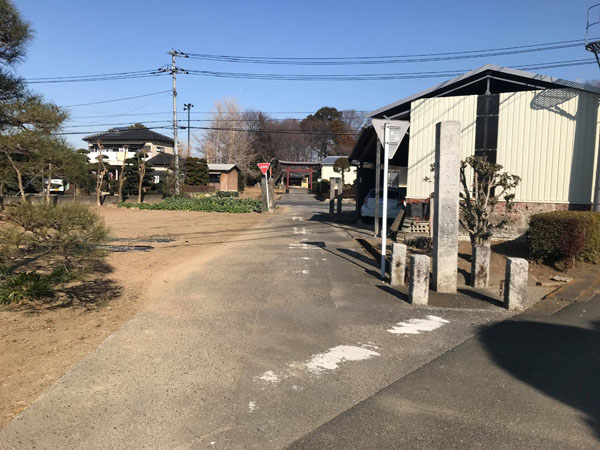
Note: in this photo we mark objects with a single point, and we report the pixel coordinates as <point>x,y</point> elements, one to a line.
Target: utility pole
<point>187,107</point>
<point>174,70</point>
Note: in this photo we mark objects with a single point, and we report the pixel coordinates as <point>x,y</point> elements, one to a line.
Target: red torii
<point>299,167</point>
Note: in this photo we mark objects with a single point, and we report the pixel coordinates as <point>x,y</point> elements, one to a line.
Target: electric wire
<point>389,59</point>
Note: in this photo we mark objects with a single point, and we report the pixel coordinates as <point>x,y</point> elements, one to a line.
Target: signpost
<point>390,133</point>
<point>264,167</point>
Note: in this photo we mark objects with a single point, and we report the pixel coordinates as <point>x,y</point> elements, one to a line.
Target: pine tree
<point>196,172</point>
<point>26,121</point>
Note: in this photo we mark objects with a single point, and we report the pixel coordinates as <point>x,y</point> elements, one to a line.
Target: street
<point>274,334</point>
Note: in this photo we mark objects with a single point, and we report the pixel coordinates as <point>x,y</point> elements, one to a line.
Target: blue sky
<point>81,38</point>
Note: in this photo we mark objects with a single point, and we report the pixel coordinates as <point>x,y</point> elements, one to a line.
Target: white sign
<point>396,131</point>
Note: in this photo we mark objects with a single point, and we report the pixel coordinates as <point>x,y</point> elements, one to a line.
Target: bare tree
<point>141,159</point>
<point>229,141</point>
<point>100,173</point>
<point>122,173</point>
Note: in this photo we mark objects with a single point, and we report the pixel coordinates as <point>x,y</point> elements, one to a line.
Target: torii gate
<point>299,167</point>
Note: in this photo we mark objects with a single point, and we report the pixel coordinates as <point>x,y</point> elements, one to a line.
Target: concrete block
<point>398,270</point>
<point>480,266</point>
<point>515,283</point>
<point>418,287</point>
<point>445,217</point>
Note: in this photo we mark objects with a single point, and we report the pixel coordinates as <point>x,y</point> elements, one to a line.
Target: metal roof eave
<point>532,78</point>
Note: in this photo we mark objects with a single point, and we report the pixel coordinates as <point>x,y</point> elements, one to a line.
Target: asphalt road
<point>526,383</point>
<point>275,334</point>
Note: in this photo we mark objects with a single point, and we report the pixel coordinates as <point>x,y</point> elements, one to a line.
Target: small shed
<point>224,177</point>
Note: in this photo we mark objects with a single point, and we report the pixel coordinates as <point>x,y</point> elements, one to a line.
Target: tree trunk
<point>141,172</point>
<point>19,177</point>
<point>49,183</point>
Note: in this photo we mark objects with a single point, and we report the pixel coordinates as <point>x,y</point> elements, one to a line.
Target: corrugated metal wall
<point>548,138</point>
<point>425,114</point>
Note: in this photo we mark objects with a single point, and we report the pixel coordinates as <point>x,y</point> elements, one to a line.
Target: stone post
<point>480,266</point>
<point>334,186</point>
<point>446,194</point>
<point>263,196</point>
<point>418,287</point>
<point>398,270</point>
<point>515,283</point>
<point>271,193</point>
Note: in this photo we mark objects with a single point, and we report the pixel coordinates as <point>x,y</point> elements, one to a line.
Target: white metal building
<point>543,129</point>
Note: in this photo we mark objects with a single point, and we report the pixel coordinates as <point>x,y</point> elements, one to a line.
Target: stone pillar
<point>445,225</point>
<point>418,287</point>
<point>515,283</point>
<point>263,196</point>
<point>334,191</point>
<point>271,193</point>
<point>398,270</point>
<point>480,266</point>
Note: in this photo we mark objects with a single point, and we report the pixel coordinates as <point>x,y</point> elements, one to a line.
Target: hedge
<point>561,235</point>
<point>206,204</point>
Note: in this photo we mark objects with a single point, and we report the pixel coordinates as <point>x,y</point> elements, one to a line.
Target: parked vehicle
<point>396,199</point>
<point>57,186</point>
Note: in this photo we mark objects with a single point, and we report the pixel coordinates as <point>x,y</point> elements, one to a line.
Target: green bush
<point>205,204</point>
<point>16,287</point>
<point>57,242</point>
<point>562,236</point>
<point>227,194</point>
<point>70,232</point>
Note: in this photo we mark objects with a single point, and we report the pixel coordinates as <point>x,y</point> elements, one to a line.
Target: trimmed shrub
<point>563,236</point>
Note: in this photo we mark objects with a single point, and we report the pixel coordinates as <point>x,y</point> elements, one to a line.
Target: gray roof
<point>129,134</point>
<point>221,167</point>
<point>509,79</point>
<point>331,159</point>
<point>161,159</point>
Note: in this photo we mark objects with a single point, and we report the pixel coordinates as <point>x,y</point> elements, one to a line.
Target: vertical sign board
<point>264,167</point>
<point>390,133</point>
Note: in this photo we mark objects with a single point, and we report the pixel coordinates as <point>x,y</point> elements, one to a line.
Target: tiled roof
<point>129,134</point>
<point>161,159</point>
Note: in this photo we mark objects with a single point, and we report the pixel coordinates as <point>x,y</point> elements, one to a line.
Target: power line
<point>375,76</point>
<point>114,100</point>
<point>100,77</point>
<point>194,112</point>
<point>66,133</point>
<point>395,59</point>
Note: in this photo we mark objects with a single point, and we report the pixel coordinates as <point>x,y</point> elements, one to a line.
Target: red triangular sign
<point>263,167</point>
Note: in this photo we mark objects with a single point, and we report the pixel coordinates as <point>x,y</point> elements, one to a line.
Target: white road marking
<point>270,377</point>
<point>300,230</point>
<point>251,406</point>
<point>296,218</point>
<point>331,359</point>
<point>415,326</point>
<point>304,246</point>
<point>319,363</point>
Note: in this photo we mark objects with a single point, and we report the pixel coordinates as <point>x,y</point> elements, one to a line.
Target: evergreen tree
<point>26,121</point>
<point>196,171</point>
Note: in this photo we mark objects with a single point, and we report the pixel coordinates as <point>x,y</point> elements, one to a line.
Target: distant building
<point>123,143</point>
<point>327,171</point>
<point>224,177</point>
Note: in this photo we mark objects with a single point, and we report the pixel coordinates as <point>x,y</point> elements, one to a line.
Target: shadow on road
<point>561,361</point>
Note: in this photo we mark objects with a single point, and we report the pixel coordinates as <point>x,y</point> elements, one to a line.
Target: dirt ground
<point>37,345</point>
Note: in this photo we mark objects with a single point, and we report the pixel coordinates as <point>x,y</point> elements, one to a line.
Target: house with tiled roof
<point>122,143</point>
